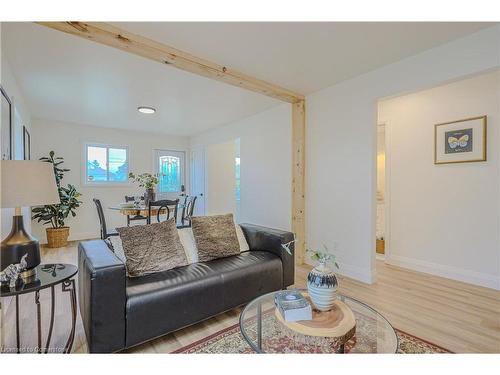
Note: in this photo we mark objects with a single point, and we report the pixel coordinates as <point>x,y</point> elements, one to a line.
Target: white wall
<point>380,163</point>
<point>442,217</point>
<point>67,140</point>
<point>21,116</point>
<point>341,144</point>
<point>221,180</point>
<point>266,151</point>
<point>380,223</point>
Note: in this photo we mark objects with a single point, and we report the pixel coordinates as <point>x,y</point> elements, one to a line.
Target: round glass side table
<point>48,276</point>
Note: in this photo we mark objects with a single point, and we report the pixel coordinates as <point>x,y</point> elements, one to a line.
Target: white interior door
<point>198,180</point>
<point>170,166</point>
<point>221,178</point>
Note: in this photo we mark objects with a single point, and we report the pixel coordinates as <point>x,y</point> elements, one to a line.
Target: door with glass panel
<point>170,166</point>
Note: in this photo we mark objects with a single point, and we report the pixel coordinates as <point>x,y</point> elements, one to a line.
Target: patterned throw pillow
<point>152,248</point>
<point>215,236</point>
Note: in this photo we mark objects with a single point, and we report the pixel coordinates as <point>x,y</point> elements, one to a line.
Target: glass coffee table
<point>266,334</point>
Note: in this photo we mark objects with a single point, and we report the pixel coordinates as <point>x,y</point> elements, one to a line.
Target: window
<point>106,164</point>
<point>237,185</point>
<point>237,175</point>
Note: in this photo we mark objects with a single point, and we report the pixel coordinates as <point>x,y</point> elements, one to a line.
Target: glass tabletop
<point>138,208</point>
<point>47,275</point>
<point>266,334</point>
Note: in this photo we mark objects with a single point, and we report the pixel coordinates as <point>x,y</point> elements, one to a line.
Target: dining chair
<point>163,204</point>
<point>130,218</point>
<point>102,221</point>
<point>187,210</point>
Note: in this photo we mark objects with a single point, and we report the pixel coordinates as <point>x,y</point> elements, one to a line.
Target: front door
<point>170,167</point>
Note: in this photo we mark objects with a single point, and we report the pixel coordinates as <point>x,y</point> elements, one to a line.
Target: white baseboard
<point>75,237</point>
<point>83,236</point>
<point>454,273</point>
<point>354,272</point>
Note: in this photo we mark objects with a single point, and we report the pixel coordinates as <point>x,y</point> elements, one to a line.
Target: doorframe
<point>387,190</point>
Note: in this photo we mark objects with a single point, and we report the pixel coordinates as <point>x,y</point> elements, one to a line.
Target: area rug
<point>230,341</point>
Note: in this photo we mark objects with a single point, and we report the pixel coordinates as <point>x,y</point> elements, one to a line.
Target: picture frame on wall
<point>460,141</point>
<point>26,144</point>
<point>6,125</point>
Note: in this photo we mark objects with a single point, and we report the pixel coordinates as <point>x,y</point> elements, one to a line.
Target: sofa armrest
<point>268,239</point>
<point>101,289</point>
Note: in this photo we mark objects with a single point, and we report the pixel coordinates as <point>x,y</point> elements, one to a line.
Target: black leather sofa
<point>119,312</point>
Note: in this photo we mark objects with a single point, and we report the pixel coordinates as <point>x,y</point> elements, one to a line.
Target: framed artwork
<point>6,125</point>
<point>26,144</point>
<point>461,141</point>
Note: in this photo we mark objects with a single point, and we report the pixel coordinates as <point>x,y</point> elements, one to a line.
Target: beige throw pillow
<point>215,236</point>
<point>152,248</point>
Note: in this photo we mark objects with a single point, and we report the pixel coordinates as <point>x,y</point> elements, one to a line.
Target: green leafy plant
<point>56,214</point>
<point>145,180</point>
<point>324,256</point>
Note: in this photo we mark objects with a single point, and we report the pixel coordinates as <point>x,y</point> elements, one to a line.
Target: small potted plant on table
<point>147,181</point>
<point>56,214</point>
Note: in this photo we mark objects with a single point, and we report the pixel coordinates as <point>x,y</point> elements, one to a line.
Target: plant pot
<point>149,195</point>
<point>322,286</point>
<point>57,237</point>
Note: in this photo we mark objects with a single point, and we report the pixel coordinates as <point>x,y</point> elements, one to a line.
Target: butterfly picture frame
<point>460,141</point>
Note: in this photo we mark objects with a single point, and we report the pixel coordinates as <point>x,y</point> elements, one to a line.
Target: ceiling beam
<point>112,36</point>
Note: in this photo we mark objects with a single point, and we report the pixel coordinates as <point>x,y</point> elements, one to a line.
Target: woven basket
<point>57,237</point>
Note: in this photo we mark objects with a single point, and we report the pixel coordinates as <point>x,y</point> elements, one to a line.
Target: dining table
<point>142,209</point>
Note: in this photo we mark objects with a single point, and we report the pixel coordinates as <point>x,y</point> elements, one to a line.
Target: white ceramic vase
<point>322,286</point>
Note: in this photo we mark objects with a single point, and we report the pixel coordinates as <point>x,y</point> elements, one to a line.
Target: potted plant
<point>147,181</point>
<point>55,214</point>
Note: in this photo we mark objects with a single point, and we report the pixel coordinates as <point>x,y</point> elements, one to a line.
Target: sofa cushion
<point>215,236</point>
<point>166,301</point>
<point>152,248</point>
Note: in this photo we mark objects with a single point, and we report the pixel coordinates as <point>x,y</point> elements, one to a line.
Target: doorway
<point>170,167</point>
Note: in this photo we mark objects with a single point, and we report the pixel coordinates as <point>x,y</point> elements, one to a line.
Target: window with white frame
<point>106,164</point>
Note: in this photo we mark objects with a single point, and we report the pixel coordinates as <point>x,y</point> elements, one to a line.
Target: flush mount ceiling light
<point>146,110</point>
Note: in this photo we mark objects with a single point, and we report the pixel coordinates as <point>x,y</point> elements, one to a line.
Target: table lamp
<point>24,183</point>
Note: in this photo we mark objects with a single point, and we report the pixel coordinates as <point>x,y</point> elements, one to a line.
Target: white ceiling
<point>69,79</point>
<point>304,57</point>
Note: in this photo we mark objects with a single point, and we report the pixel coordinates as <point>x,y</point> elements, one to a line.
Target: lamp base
<point>16,245</point>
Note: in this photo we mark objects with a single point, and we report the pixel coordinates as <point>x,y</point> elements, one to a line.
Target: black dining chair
<point>165,204</point>
<point>102,221</point>
<point>187,210</point>
<point>131,218</point>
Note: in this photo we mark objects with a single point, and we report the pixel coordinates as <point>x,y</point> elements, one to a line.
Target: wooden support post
<point>298,179</point>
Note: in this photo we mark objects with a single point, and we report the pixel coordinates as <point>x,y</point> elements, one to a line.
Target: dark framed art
<point>26,144</point>
<point>6,125</point>
<point>460,141</point>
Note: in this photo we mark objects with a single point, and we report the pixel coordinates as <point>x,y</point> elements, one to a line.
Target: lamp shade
<point>27,183</point>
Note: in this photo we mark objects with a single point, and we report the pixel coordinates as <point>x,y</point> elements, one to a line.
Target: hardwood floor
<point>458,316</point>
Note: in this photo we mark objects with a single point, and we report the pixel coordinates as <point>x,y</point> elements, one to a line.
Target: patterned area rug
<point>230,341</point>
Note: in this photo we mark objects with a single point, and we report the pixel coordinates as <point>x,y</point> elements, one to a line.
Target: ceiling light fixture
<point>146,110</point>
